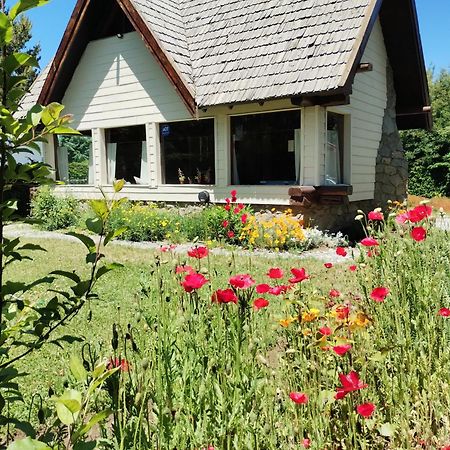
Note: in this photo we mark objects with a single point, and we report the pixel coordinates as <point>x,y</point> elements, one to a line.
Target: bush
<point>54,212</point>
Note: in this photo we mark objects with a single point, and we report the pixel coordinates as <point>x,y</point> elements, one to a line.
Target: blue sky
<point>434,16</point>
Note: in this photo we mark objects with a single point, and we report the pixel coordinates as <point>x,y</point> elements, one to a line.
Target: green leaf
<point>6,29</point>
<point>113,234</point>
<point>77,369</point>
<point>118,185</point>
<point>28,444</point>
<point>63,130</point>
<point>51,113</point>
<point>72,276</point>
<point>106,268</point>
<point>34,115</point>
<point>86,240</point>
<point>68,406</point>
<point>32,247</point>
<point>94,225</point>
<point>99,417</point>
<point>90,445</point>
<point>16,60</point>
<point>24,5</point>
<point>100,208</point>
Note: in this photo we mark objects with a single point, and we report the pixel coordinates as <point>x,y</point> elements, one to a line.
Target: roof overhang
<point>84,19</point>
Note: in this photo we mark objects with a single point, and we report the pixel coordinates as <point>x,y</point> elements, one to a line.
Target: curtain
<point>144,178</point>
<point>63,164</point>
<point>91,166</point>
<point>332,158</point>
<point>298,159</point>
<point>111,152</point>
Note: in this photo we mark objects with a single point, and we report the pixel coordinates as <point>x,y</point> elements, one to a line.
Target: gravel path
<point>322,254</point>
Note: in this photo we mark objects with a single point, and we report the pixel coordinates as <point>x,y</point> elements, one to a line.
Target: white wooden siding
<point>119,83</point>
<point>367,106</point>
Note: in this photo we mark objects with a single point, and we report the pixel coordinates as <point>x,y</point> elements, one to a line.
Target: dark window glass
<point>127,154</point>
<point>265,148</point>
<point>187,152</point>
<point>334,156</point>
<point>74,163</point>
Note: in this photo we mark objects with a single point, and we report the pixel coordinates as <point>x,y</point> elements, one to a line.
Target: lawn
<point>349,356</point>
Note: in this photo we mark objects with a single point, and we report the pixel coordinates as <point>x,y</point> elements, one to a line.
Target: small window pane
<point>126,150</point>
<point>265,148</point>
<point>74,163</point>
<point>187,150</point>
<point>335,146</point>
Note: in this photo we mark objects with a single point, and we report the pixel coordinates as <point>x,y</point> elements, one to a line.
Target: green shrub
<point>54,212</point>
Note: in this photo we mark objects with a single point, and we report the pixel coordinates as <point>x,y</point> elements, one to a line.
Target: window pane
<point>74,163</point>
<point>265,148</point>
<point>187,150</point>
<point>334,151</point>
<point>126,151</point>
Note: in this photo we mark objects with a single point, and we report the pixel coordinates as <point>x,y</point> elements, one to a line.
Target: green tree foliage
<point>428,152</point>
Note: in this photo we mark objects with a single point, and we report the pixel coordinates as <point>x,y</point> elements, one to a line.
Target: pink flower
<point>230,234</point>
<point>225,224</point>
<point>242,281</point>
<point>325,331</point>
<point>299,397</point>
<point>341,251</point>
<point>366,409</point>
<point>352,268</point>
<point>419,213</point>
<point>444,312</point>
<point>334,293</point>
<point>350,383</point>
<point>244,218</point>
<point>193,281</point>
<point>379,294</point>
<point>341,350</point>
<point>260,303</point>
<point>306,443</point>
<point>275,273</point>
<point>278,290</point>
<point>224,296</point>
<point>328,265</point>
<point>375,215</point>
<point>168,248</point>
<point>418,234</point>
<point>184,269</point>
<point>299,275</point>
<point>263,288</point>
<point>369,242</point>
<point>198,252</point>
<point>401,218</point>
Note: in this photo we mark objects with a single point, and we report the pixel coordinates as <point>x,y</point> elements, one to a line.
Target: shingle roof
<point>230,51</point>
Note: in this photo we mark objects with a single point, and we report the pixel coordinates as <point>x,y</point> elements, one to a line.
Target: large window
<point>74,163</point>
<point>265,148</point>
<point>187,152</point>
<point>126,151</point>
<point>334,156</point>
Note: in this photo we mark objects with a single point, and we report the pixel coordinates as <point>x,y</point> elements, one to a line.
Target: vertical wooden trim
<point>158,156</point>
<point>348,149</point>
<point>100,151</point>
<point>302,147</point>
<point>222,151</point>
<point>152,157</point>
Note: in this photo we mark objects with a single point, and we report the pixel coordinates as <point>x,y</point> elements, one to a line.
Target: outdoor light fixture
<point>203,197</point>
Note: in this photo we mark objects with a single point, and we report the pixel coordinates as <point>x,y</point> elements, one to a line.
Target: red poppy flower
<point>350,383</point>
<point>299,275</point>
<point>369,242</point>
<point>244,218</point>
<point>341,350</point>
<point>299,397</point>
<point>225,223</point>
<point>198,252</point>
<point>224,296</point>
<point>260,303</point>
<point>334,293</point>
<point>306,443</point>
<point>444,312</point>
<point>328,265</point>
<point>120,363</point>
<point>230,234</point>
<point>325,331</point>
<point>241,206</point>
<point>228,200</point>
<point>352,268</point>
<point>366,409</point>
<point>447,447</point>
<point>341,251</point>
<point>242,281</point>
<point>233,193</point>
<point>419,213</point>
<point>227,207</point>
<point>278,290</point>
<point>184,269</point>
<point>375,215</point>
<point>275,273</point>
<point>379,294</point>
<point>342,312</point>
<point>263,288</point>
<point>193,281</point>
<point>419,234</point>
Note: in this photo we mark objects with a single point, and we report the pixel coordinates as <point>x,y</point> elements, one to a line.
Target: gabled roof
<point>232,51</point>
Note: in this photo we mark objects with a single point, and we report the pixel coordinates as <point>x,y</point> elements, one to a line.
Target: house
<point>291,102</point>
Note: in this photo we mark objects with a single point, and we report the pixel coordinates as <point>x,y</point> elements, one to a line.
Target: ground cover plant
<point>222,353</point>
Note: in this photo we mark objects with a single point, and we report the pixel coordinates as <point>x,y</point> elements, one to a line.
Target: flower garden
<point>227,353</point>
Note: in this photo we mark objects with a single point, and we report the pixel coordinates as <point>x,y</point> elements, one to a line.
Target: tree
<point>428,152</point>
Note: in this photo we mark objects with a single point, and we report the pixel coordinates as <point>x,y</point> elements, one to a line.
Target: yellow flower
<point>311,315</point>
<point>360,320</point>
<point>286,322</point>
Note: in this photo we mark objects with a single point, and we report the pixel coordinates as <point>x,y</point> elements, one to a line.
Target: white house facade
<point>327,152</point>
